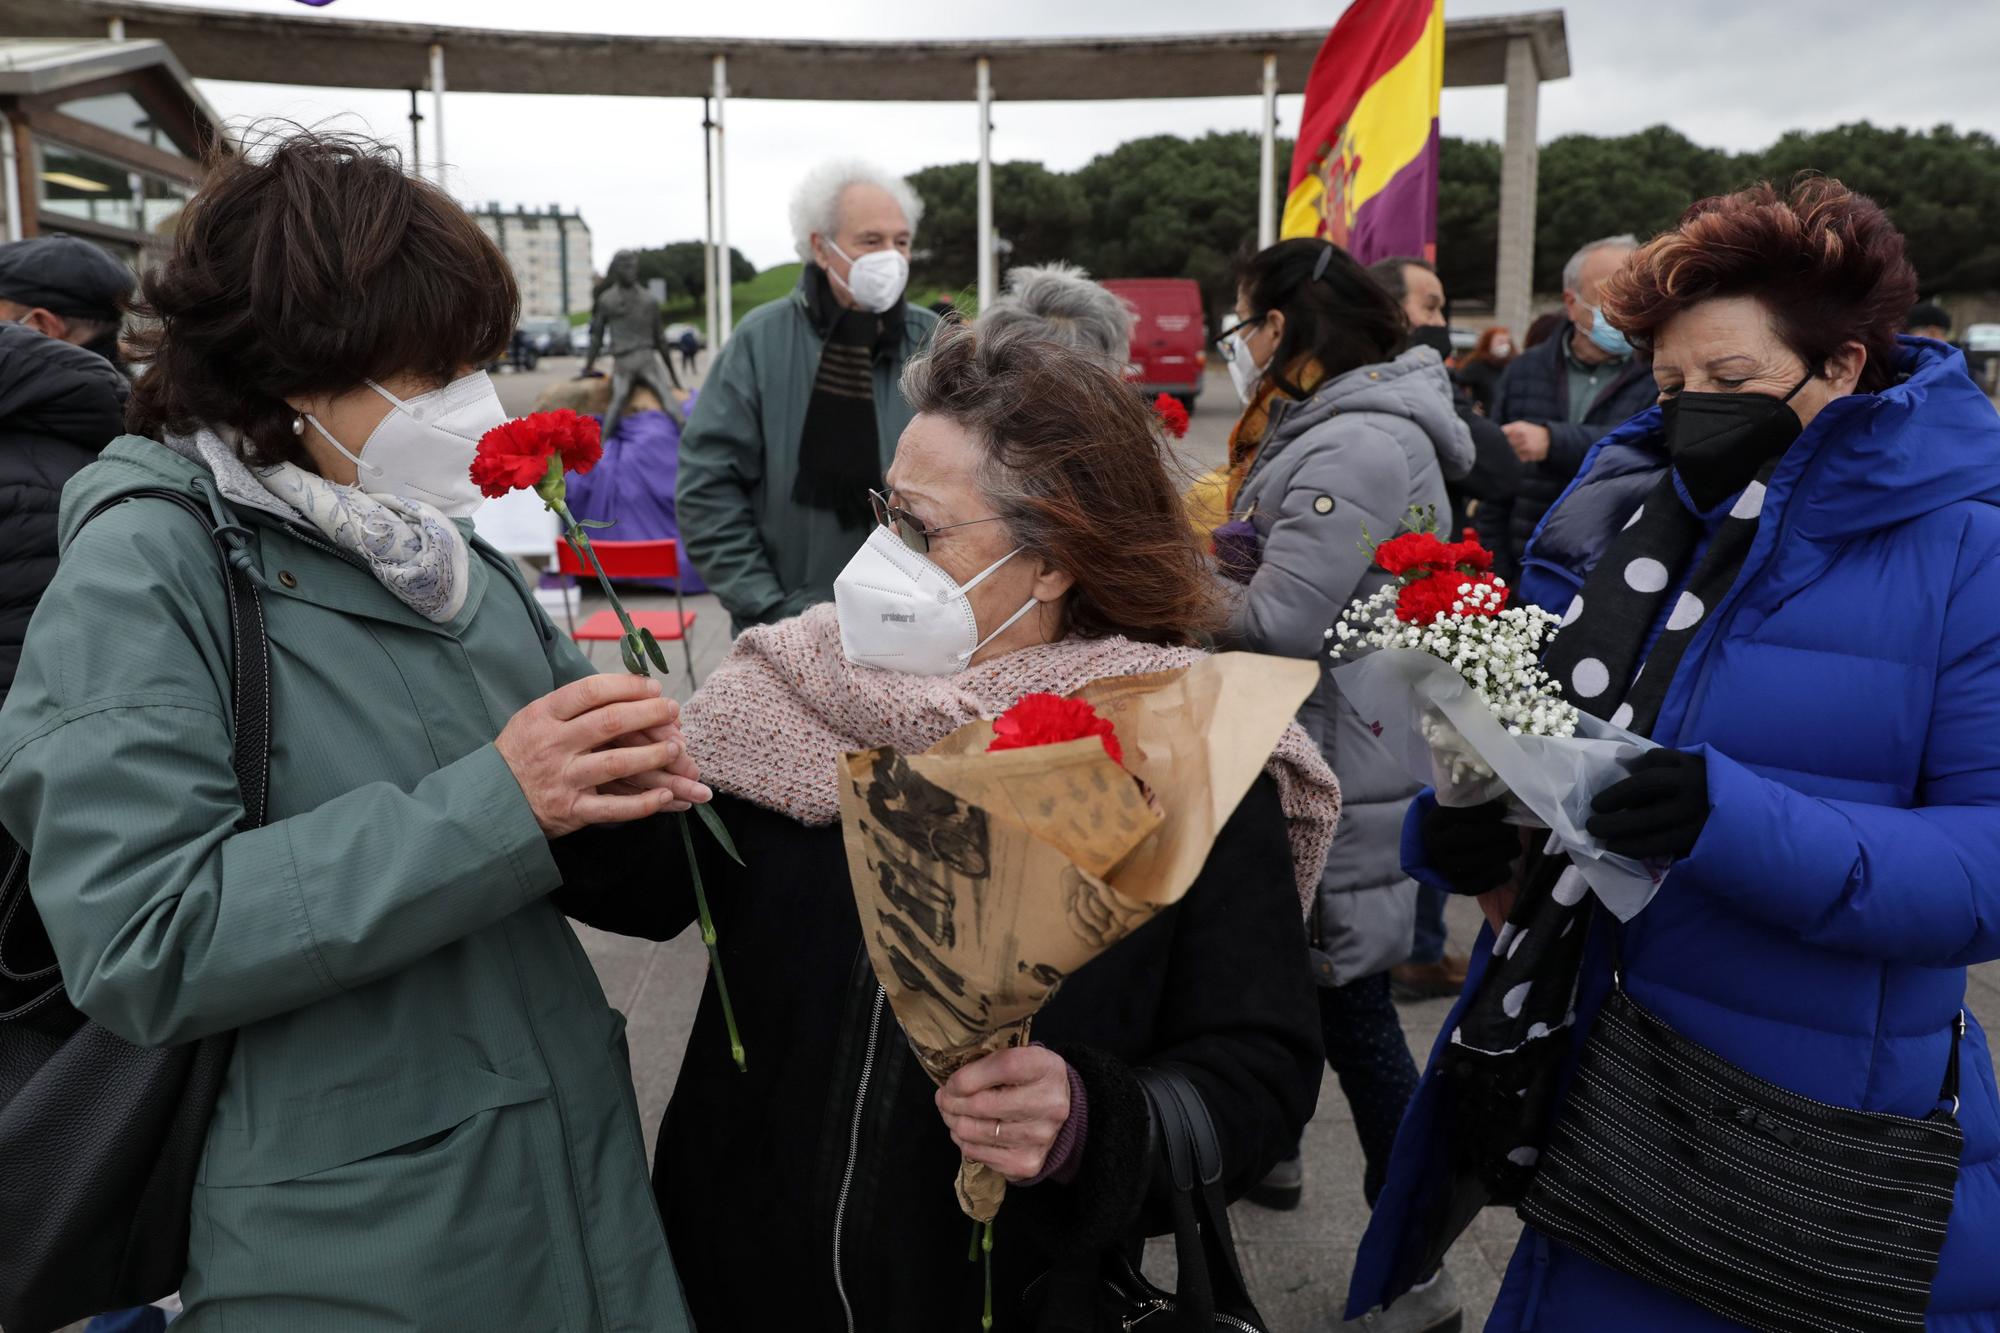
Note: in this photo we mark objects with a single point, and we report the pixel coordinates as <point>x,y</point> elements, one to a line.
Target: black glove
<point>1471,847</point>
<point>1657,813</point>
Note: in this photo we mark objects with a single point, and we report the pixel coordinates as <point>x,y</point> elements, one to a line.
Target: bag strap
<point>250,657</point>
<point>1209,1274</point>
<point>250,693</point>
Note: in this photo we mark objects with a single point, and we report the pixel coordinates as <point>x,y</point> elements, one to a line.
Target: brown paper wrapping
<point>982,880</point>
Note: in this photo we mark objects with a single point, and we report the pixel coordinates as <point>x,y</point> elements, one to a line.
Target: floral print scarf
<point>413,550</point>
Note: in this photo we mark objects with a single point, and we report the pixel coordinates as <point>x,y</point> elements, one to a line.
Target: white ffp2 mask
<point>1244,373</point>
<point>900,612</point>
<point>423,450</point>
<point>876,280</point>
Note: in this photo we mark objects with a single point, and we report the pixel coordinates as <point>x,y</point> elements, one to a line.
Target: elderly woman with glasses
<point>1030,540</point>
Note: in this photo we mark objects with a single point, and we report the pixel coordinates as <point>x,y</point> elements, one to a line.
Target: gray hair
<point>1059,302</point>
<point>1573,270</point>
<point>816,203</point>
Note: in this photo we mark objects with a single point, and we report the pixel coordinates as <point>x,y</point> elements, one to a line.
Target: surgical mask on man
<point>1605,338</point>
<point>876,280</point>
<point>899,611</point>
<point>423,450</point>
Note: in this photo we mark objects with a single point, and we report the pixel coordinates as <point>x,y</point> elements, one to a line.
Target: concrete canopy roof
<point>315,49</point>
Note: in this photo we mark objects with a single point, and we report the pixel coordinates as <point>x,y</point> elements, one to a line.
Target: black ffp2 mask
<point>1719,442</point>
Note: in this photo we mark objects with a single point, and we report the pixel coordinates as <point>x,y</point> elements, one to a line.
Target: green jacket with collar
<point>429,1120</point>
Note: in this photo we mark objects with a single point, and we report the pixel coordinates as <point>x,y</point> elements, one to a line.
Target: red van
<point>1169,343</point>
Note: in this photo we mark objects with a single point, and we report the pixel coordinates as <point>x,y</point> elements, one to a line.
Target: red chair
<point>631,560</point>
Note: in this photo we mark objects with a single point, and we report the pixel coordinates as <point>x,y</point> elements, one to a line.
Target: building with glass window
<point>104,140</point>
<point>550,255</point>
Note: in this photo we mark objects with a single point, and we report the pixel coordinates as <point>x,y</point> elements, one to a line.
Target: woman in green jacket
<point>429,1120</point>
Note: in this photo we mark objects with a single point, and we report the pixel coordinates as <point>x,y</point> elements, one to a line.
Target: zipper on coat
<point>854,1150</point>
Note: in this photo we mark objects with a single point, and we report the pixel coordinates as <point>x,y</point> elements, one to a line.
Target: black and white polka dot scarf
<point>1502,1068</point>
<point>1595,657</point>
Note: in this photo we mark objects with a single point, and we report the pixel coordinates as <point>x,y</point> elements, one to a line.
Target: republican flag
<point>1365,169</point>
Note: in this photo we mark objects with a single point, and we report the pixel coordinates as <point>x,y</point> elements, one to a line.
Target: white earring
<point>298,425</point>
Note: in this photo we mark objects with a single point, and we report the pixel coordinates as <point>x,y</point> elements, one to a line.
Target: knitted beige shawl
<point>770,724</point>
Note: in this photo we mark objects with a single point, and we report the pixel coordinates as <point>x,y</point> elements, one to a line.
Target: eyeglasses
<point>1225,343</point>
<point>908,527</point>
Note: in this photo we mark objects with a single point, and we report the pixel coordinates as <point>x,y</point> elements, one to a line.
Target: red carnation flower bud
<point>1048,719</point>
<point>1412,550</point>
<point>1173,417</point>
<point>515,455</point>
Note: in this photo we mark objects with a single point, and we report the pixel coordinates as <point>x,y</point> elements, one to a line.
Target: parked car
<point>579,340</point>
<point>1169,338</point>
<point>548,335</point>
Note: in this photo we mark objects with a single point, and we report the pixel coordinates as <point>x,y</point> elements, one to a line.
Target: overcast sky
<point>1730,73</point>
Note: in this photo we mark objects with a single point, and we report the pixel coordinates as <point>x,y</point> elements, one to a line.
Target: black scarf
<point>840,458</point>
<point>1502,1069</point>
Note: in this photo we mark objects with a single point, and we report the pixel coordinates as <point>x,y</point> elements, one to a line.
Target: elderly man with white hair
<point>800,412</point>
<point>1559,398</point>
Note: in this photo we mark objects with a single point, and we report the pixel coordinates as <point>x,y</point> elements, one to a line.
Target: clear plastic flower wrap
<point>1448,675</point>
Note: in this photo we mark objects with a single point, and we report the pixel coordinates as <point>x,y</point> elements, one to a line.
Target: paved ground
<point>1297,1262</point>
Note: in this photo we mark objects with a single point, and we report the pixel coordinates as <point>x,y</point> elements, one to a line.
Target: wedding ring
<point>996,1131</point>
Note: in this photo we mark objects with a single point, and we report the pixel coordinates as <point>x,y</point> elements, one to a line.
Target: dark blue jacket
<point>1536,388</point>
<point>1847,697</point>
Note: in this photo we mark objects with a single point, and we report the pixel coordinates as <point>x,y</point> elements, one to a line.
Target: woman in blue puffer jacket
<point>1829,793</point>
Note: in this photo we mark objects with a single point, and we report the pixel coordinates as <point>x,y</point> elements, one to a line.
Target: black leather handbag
<point>1210,1294</point>
<point>1782,1213</point>
<point>100,1139</point>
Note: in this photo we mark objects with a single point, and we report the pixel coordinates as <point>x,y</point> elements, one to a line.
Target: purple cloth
<point>1238,550</point>
<point>632,487</point>
<point>1065,1157</point>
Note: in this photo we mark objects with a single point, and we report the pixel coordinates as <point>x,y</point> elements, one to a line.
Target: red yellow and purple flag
<point>1365,171</point>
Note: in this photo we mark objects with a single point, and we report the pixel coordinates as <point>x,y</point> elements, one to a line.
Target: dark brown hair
<point>1077,469</point>
<point>306,265</point>
<point>1826,262</point>
<point>1335,310</point>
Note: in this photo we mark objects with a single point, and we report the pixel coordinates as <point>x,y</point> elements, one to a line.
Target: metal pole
<point>1513,283</point>
<point>437,108</point>
<point>1267,159</point>
<point>708,202</point>
<point>115,29</point>
<point>10,179</point>
<point>416,137</point>
<point>725,314</point>
<point>988,283</point>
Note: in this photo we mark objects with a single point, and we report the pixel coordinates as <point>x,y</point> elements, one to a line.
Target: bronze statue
<point>628,318</point>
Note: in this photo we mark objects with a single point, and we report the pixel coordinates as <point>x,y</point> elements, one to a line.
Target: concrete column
<point>10,170</point>
<point>115,29</point>
<point>725,299</point>
<point>1514,280</point>
<point>988,277</point>
<point>708,215</point>
<point>1267,159</point>
<point>437,111</point>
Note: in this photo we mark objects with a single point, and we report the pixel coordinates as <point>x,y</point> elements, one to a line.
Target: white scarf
<point>413,550</point>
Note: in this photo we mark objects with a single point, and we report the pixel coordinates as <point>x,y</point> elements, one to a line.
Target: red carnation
<point>1173,417</point>
<point>1412,550</point>
<point>1048,719</point>
<point>1438,594</point>
<point>536,449</point>
<point>1469,552</point>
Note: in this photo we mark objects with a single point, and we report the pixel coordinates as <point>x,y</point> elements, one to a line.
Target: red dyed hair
<point>1826,262</point>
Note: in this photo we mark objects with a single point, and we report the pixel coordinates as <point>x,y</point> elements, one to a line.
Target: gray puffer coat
<point>1353,457</point>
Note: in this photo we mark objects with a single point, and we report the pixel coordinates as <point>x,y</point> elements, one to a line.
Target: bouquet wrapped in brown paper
<point>984,878</point>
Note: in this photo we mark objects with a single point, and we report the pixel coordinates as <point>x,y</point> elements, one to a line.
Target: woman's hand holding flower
<point>1004,1110</point>
<point>605,750</point>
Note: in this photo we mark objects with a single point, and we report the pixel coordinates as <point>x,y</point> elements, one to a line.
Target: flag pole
<point>1267,159</point>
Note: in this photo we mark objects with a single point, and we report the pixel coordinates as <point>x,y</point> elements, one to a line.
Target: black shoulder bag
<point>1782,1213</point>
<point>1212,1295</point>
<point>100,1139</point>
